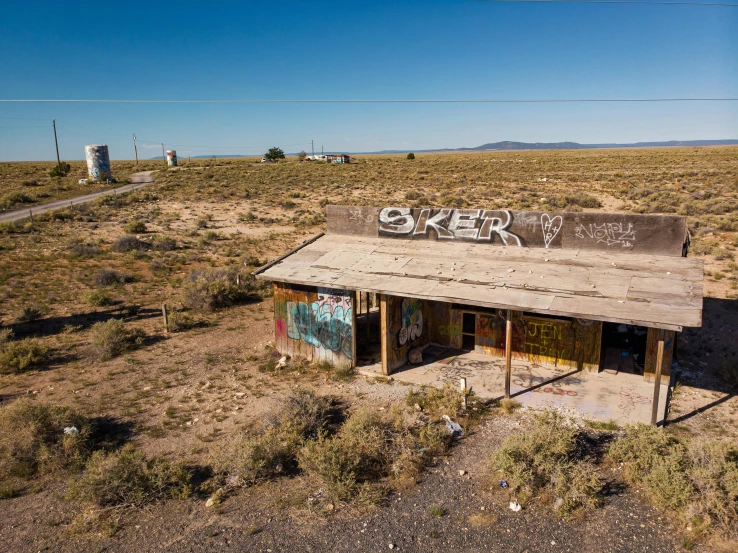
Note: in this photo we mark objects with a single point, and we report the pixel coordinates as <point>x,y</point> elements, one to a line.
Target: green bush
<point>698,479</point>
<point>210,289</point>
<point>29,313</point>
<point>135,227</point>
<point>129,478</point>
<point>60,170</point>
<point>33,439</point>
<point>111,338</point>
<point>547,459</point>
<point>411,156</point>
<point>96,298</point>
<point>23,355</point>
<point>369,451</point>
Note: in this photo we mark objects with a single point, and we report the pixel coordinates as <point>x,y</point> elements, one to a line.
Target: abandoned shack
<point>584,291</point>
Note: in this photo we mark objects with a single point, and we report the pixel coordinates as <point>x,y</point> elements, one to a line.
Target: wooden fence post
<point>165,316</point>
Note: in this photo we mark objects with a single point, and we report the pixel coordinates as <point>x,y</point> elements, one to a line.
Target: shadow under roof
<point>640,289</point>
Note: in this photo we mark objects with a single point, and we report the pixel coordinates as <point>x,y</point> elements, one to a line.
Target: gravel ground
<point>273,517</point>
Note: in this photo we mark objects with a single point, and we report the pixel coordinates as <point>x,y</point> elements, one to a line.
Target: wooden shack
<point>590,291</point>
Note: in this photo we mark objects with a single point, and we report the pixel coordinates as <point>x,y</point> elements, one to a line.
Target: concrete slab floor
<point>622,398</point>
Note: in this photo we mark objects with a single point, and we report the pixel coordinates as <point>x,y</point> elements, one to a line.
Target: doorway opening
<point>368,329</point>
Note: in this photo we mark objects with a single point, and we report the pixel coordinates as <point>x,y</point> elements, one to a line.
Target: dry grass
<point>698,479</point>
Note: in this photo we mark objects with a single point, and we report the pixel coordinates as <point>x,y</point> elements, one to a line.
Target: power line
<point>644,2</point>
<point>365,101</point>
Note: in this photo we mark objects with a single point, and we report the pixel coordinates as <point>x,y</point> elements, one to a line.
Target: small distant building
<point>338,158</point>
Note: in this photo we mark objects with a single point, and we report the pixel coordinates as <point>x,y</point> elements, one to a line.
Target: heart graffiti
<point>551,227</point>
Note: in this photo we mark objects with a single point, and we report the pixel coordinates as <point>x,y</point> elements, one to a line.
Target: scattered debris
<point>515,506</point>
<point>453,428</point>
<point>462,472</point>
<point>71,431</point>
<point>415,356</point>
<point>503,484</point>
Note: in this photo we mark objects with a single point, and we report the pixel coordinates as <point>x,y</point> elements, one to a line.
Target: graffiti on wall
<point>449,224</point>
<point>547,341</point>
<point>610,234</point>
<point>326,323</point>
<point>412,321</point>
<point>551,227</point>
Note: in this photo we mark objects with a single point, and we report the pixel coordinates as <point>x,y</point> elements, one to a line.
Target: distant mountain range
<point>508,145</point>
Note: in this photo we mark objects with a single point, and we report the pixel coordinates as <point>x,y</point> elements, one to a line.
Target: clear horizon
<point>466,50</point>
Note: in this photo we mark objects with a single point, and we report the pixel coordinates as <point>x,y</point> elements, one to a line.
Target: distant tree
<point>411,156</point>
<point>302,155</point>
<point>274,154</point>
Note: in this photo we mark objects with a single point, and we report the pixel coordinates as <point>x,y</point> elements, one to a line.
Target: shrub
<point>698,479</point>
<point>129,478</point>
<point>438,401</point>
<point>274,452</point>
<point>107,277</point>
<point>547,458</point>
<point>179,321</point>
<point>29,313</point>
<point>135,227</point>
<point>129,243</point>
<point>111,338</point>
<point>368,450</point>
<point>61,170</point>
<point>83,250</point>
<point>33,440</point>
<point>164,244</point>
<point>210,289</point>
<point>23,355</point>
<point>411,156</point>
<point>413,195</point>
<point>97,298</point>
<point>6,334</point>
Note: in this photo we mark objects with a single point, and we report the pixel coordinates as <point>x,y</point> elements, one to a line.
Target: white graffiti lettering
<point>607,233</point>
<point>449,224</point>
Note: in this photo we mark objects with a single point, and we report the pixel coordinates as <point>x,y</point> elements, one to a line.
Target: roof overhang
<point>641,289</point>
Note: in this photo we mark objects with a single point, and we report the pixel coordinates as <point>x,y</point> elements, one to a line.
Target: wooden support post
<point>462,389</point>
<point>657,380</point>
<point>368,323</point>
<point>31,215</point>
<point>354,328</point>
<point>165,315</point>
<point>384,323</point>
<point>508,352</point>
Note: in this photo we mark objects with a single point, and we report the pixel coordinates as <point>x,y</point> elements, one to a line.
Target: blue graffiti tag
<point>322,325</point>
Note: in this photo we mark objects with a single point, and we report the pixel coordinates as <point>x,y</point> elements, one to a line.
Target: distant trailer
<point>171,158</point>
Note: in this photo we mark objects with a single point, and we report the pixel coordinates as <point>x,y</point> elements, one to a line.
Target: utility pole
<point>163,155</point>
<point>56,141</point>
<point>321,150</point>
<point>312,146</point>
<point>135,148</point>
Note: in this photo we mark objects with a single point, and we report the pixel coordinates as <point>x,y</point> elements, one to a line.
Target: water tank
<point>98,162</point>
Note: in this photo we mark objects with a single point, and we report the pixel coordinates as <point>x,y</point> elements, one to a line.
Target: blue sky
<point>431,49</point>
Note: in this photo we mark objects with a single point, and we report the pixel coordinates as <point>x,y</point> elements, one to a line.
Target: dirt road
<point>137,181</point>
